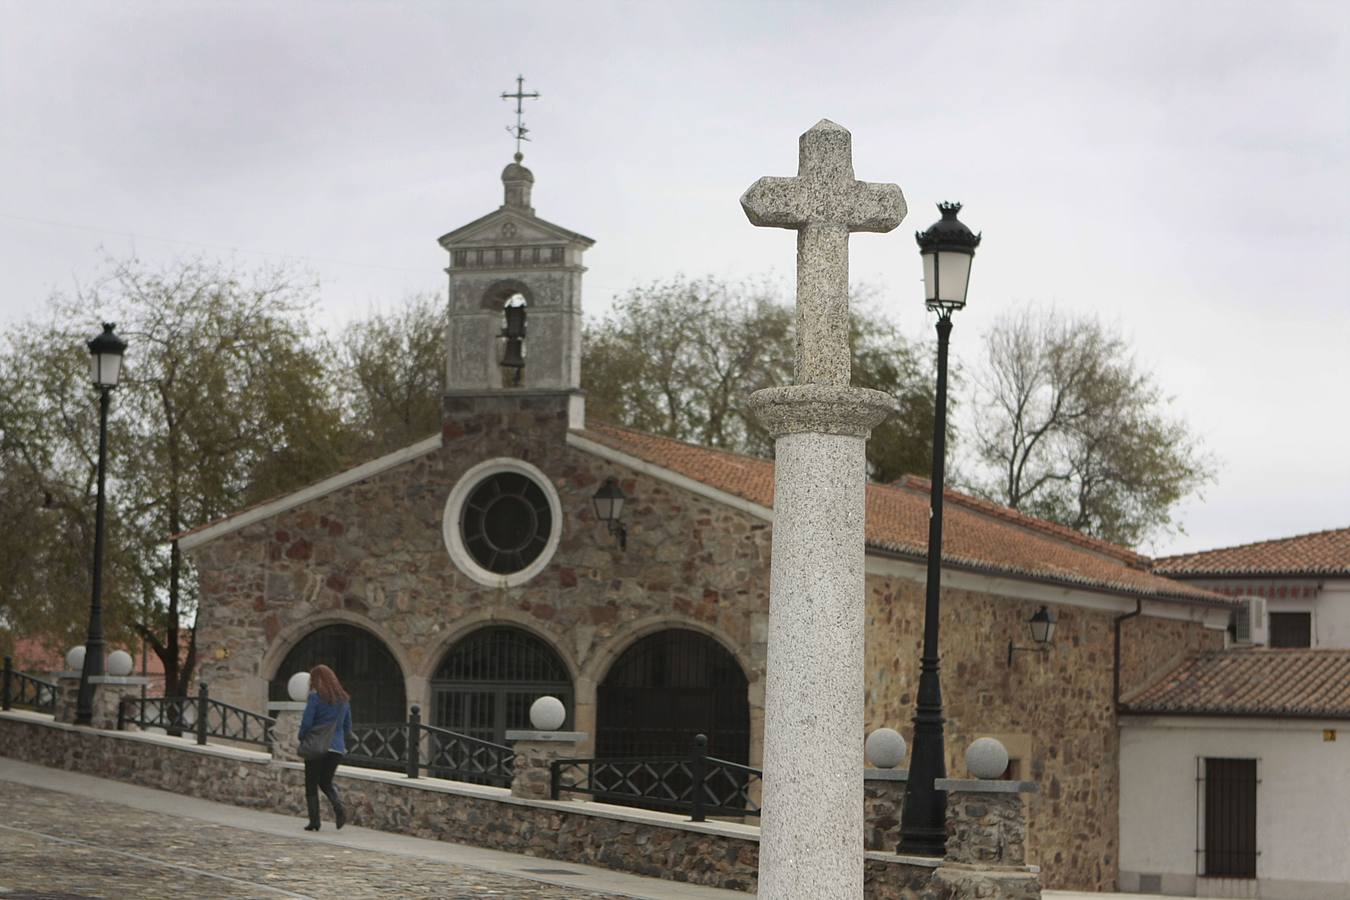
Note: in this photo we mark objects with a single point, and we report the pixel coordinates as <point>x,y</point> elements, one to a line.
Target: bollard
<point>414,741</point>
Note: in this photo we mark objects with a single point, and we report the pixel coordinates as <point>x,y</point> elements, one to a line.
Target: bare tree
<point>1071,430</point>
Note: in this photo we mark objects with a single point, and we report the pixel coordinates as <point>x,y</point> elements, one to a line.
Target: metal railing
<point>412,747</point>
<point>24,690</point>
<point>697,784</point>
<point>201,715</point>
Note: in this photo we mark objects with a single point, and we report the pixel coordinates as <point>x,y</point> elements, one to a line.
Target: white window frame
<point>453,533</point>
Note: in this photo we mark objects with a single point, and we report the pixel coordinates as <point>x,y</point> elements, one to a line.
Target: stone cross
<point>812,822</point>
<point>823,203</point>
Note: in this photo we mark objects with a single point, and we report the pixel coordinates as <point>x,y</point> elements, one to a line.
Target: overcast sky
<point>1179,169</point>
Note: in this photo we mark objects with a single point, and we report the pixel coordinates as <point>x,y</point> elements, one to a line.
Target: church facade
<point>469,574</point>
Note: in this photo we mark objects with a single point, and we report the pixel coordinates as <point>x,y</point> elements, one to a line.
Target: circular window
<point>506,522</point>
<point>501,522</point>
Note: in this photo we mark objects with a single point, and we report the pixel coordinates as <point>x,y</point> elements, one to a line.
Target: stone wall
<point>645,843</point>
<point>372,554</point>
<point>1053,711</point>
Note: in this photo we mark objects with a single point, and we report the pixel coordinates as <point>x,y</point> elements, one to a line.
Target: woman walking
<point>327,722</point>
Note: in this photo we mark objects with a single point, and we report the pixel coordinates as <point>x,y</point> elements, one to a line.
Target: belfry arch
<point>667,687</point>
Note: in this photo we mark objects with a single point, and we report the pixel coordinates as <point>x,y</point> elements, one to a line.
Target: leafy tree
<point>1071,430</point>
<point>680,358</point>
<point>396,375</point>
<point>224,400</point>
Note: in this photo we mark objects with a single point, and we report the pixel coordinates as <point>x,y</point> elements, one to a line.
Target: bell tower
<point>508,256</point>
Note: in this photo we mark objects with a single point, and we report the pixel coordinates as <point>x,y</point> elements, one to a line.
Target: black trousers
<point>319,777</point>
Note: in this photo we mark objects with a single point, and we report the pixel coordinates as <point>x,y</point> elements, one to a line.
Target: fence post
<point>202,704</point>
<point>414,747</point>
<point>9,681</point>
<point>698,768</point>
<point>554,776</point>
<point>122,714</point>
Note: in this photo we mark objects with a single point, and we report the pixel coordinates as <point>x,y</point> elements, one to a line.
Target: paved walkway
<point>65,836</point>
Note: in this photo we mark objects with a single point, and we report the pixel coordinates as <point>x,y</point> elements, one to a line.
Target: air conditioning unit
<point>1249,622</point>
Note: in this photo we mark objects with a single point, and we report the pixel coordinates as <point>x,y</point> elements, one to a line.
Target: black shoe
<point>340,814</point>
<point>313,826</point>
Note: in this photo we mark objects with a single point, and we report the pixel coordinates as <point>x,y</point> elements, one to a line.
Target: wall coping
<point>559,736</point>
<point>285,706</point>
<point>904,859</point>
<point>119,679</point>
<point>187,742</point>
<point>885,775</point>
<point>985,786</point>
<point>433,785</point>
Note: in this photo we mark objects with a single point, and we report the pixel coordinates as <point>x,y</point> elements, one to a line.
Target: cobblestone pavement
<point>58,846</point>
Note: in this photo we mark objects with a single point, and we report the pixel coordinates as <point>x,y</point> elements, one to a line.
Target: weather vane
<point>519,130</point>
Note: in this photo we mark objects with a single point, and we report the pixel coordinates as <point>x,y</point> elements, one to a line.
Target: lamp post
<point>106,350</point>
<point>947,249</point>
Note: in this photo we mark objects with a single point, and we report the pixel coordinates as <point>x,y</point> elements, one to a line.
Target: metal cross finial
<point>823,204</point>
<point>519,130</point>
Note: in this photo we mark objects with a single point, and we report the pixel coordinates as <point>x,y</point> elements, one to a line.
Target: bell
<point>515,321</point>
<point>514,357</point>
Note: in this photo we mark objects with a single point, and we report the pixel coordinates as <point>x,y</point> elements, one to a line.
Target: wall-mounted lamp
<point>514,332</point>
<point>1042,632</point>
<point>609,502</point>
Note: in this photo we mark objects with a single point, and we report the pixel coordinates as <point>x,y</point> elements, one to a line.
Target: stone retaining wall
<point>646,843</point>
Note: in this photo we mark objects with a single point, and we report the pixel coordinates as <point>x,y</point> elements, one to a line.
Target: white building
<point>1300,586</point>
<point>1235,765</point>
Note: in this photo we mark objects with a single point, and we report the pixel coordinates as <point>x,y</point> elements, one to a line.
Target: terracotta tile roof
<point>1253,682</point>
<point>977,535</point>
<point>1007,513</point>
<point>1319,553</point>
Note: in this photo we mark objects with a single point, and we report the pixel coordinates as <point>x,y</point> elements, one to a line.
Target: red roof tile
<point>977,534</point>
<point>1319,553</point>
<point>1253,682</point>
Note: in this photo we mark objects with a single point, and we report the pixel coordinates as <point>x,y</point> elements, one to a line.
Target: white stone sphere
<point>120,663</point>
<point>986,758</point>
<point>75,659</point>
<point>298,687</point>
<point>885,748</point>
<point>547,714</point>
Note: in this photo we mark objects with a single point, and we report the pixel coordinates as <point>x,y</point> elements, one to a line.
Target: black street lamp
<point>947,249</point>
<point>106,350</point>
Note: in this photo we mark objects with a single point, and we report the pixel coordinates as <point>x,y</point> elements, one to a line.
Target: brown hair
<point>324,681</point>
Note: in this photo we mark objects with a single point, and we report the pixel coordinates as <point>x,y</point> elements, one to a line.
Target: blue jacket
<point>318,713</point>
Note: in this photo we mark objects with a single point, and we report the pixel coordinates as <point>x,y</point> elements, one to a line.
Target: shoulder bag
<point>318,741</point>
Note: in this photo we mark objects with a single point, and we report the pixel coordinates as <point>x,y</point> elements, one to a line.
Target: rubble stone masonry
<point>372,554</point>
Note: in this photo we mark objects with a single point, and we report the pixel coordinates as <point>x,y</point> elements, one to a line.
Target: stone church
<point>469,574</point>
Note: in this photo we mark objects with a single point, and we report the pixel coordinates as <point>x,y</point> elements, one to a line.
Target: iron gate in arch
<point>363,664</point>
<point>487,681</point>
<point>668,687</point>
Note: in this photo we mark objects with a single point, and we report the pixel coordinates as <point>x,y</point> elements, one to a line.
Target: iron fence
<point>20,689</point>
<point>697,784</point>
<point>201,715</point>
<point>412,748</point>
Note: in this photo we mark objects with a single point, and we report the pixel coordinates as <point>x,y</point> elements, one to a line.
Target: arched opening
<point>363,664</point>
<point>488,680</point>
<point>668,687</point>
